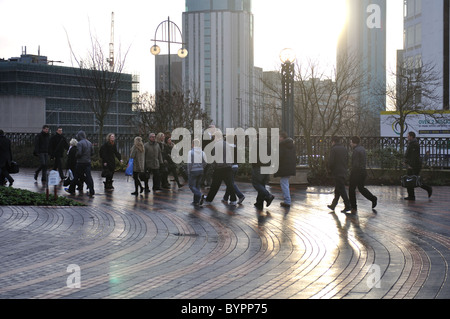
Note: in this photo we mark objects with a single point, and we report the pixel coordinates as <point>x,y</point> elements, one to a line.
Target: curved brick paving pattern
<point>159,246</point>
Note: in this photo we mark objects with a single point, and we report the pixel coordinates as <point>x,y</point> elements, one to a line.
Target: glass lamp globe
<point>155,50</point>
<point>182,53</point>
<point>287,56</point>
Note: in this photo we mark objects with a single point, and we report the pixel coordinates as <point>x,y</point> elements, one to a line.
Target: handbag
<point>129,169</point>
<point>411,181</point>
<point>69,178</point>
<point>13,168</point>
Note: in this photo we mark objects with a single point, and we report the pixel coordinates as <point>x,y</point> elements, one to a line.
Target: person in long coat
<point>41,144</point>
<point>153,160</point>
<point>338,167</point>
<point>57,145</point>
<point>413,164</point>
<point>288,166</point>
<point>108,154</point>
<point>5,159</point>
<point>138,156</point>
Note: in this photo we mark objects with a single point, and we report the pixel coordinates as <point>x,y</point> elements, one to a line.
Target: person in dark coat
<point>41,145</point>
<point>414,165</point>
<point>288,166</point>
<point>337,166</point>
<point>5,159</point>
<point>72,163</point>
<point>83,168</point>
<point>260,180</point>
<point>108,154</point>
<point>358,174</point>
<point>57,145</point>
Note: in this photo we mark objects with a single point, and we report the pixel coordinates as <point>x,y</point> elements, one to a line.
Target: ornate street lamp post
<point>287,57</point>
<point>168,32</point>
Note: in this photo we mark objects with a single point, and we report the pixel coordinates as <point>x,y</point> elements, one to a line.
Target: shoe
<point>202,199</point>
<point>346,210</point>
<point>258,206</point>
<point>331,207</point>
<point>234,203</point>
<point>430,192</point>
<point>410,198</point>
<point>147,190</point>
<point>374,202</point>
<point>241,200</point>
<point>134,193</point>
<point>142,189</point>
<point>283,204</point>
<point>68,191</point>
<point>224,201</point>
<point>269,200</point>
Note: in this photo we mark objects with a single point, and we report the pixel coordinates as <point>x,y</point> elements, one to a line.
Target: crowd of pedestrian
<point>152,160</point>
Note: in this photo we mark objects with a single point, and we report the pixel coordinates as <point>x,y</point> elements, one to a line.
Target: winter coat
<point>196,160</point>
<point>72,158</point>
<point>41,143</point>
<point>338,161</point>
<point>412,155</point>
<point>84,149</point>
<point>138,160</point>
<point>57,145</point>
<point>288,159</point>
<point>5,151</point>
<point>359,159</point>
<point>153,156</point>
<point>108,153</point>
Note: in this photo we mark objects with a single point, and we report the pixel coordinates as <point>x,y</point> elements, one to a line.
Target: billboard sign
<point>430,124</point>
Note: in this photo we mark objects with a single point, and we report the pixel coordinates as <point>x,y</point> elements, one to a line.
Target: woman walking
<point>138,156</point>
<point>108,153</point>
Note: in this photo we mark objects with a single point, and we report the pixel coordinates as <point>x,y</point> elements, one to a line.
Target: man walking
<point>83,168</point>
<point>41,144</point>
<point>5,159</point>
<point>358,175</point>
<point>288,166</point>
<point>414,165</point>
<point>153,161</point>
<point>222,170</point>
<point>196,164</point>
<point>259,181</point>
<point>57,145</point>
<point>337,166</point>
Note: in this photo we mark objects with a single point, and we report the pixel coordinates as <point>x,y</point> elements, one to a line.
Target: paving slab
<point>160,246</point>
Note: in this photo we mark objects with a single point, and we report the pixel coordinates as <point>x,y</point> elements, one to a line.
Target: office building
<point>33,92</point>
<point>219,69</point>
<point>427,44</point>
<point>362,46</point>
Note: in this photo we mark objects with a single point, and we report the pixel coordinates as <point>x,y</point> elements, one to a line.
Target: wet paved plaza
<point>159,246</point>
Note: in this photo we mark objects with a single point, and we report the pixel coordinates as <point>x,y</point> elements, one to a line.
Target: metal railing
<point>382,152</point>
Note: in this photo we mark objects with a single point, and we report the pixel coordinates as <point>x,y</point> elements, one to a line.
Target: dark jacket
<point>108,153</point>
<point>41,143</point>
<point>72,158</point>
<point>338,161</point>
<point>359,159</point>
<point>5,151</point>
<point>57,145</point>
<point>85,150</point>
<point>412,155</point>
<point>288,160</point>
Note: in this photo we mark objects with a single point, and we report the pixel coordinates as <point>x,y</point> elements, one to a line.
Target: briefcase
<point>411,181</point>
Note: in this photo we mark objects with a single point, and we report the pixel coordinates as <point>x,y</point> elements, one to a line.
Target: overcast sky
<point>309,27</point>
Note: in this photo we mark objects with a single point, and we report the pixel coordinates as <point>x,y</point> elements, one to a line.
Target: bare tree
<point>155,113</point>
<point>414,92</point>
<point>100,78</point>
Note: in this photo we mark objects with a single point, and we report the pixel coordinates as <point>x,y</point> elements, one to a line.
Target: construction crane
<point>110,60</point>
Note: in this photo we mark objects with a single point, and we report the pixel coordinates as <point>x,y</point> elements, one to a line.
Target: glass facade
<point>218,5</point>
<point>66,103</point>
